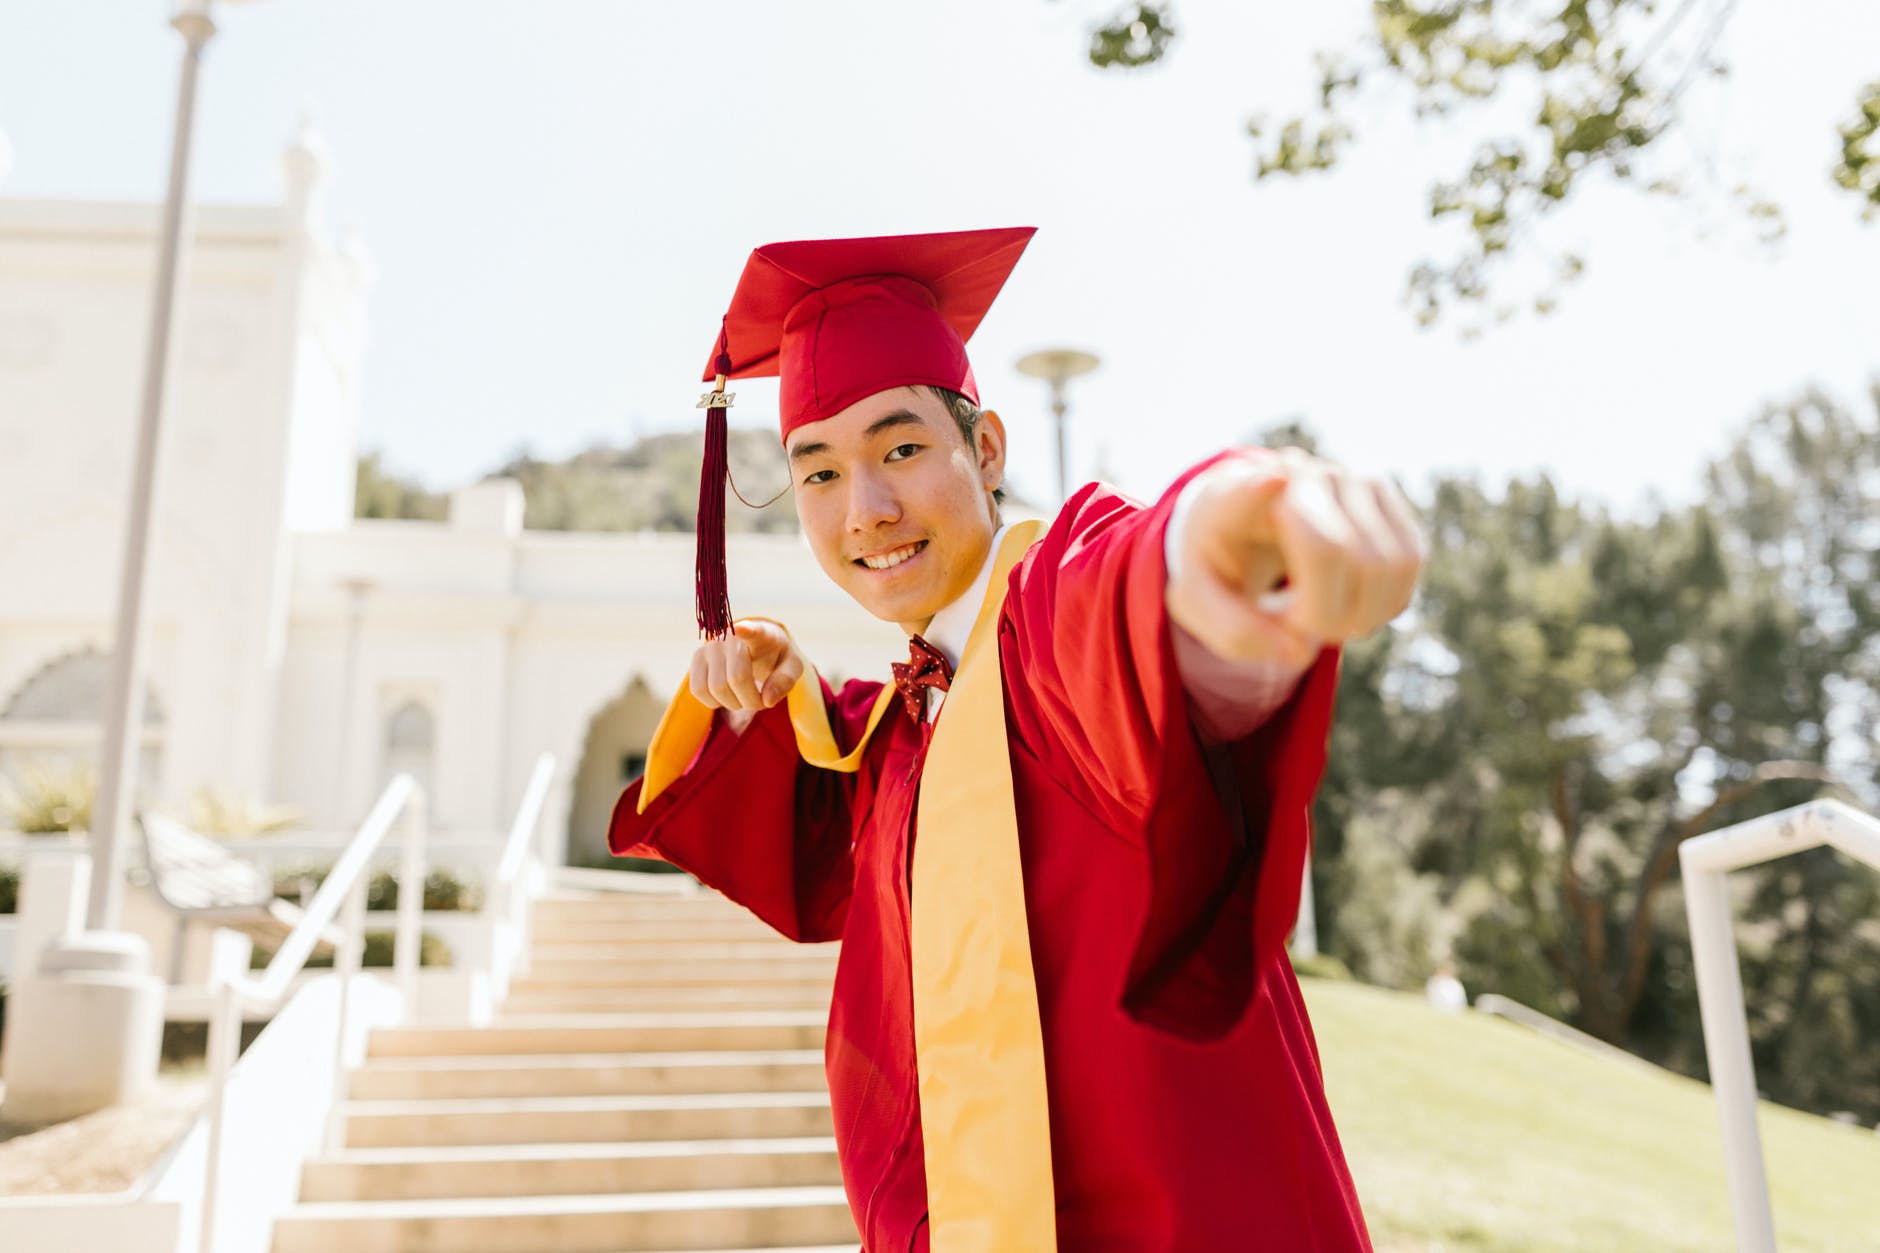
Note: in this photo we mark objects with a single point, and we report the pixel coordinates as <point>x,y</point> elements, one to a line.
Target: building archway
<point>410,739</point>
<point>53,721</point>
<point>612,756</point>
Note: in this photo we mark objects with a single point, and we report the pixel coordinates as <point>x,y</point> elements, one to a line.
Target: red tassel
<point>714,596</point>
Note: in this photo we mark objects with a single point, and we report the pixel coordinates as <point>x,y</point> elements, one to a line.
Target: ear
<point>989,448</point>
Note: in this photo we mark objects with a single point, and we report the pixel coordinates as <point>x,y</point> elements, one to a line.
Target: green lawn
<point>1466,1132</point>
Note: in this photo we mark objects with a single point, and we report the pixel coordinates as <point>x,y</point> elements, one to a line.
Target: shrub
<point>9,888</point>
<point>48,799</point>
<point>444,890</point>
<point>1321,966</point>
<point>213,811</point>
<point>432,951</point>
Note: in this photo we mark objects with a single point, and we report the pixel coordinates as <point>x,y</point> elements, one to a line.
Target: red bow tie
<point>926,668</point>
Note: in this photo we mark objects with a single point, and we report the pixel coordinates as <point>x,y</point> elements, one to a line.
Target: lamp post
<point>117,775</point>
<point>1058,366</point>
<point>357,589</point>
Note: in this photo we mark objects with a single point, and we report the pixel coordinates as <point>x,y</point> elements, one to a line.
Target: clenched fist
<point>1347,546</point>
<point>751,669</point>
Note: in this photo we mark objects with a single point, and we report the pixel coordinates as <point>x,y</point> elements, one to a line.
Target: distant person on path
<point>1444,991</point>
<point>1063,848</point>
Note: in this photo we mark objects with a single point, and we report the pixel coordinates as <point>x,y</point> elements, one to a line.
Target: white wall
<point>520,638</point>
<point>259,425</point>
<point>260,577</point>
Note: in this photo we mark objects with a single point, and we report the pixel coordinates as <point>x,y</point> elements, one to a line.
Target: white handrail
<point>510,896</point>
<point>528,815</point>
<point>291,957</point>
<point>344,886</point>
<point>1705,862</point>
<point>1531,1018</point>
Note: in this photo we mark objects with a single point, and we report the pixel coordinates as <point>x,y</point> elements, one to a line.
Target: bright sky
<point>558,198</point>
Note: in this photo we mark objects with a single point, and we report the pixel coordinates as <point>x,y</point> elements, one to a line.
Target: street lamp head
<point>1055,365</point>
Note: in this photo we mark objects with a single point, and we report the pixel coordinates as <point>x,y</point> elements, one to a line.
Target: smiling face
<point>897,504</point>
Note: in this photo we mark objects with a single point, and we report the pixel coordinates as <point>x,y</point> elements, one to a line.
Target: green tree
<point>1558,95</point>
<point>377,493</point>
<point>1575,694</point>
<point>650,486</point>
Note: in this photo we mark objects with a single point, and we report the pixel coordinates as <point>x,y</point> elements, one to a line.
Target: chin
<point>899,609</point>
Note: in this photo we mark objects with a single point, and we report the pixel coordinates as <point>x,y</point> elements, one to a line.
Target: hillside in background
<point>651,485</point>
<point>1466,1132</point>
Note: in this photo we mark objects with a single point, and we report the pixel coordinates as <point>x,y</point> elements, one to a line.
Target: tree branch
<point>1658,868</point>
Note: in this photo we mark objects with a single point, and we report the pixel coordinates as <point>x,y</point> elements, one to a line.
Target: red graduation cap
<point>840,320</point>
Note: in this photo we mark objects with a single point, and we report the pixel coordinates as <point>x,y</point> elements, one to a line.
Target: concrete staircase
<point>655,1083</point>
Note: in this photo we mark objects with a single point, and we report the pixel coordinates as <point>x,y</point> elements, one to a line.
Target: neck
<point>948,628</point>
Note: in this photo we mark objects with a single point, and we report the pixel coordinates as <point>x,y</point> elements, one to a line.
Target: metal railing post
<point>223,1046</point>
<point>1705,863</point>
<point>517,879</point>
<point>346,964</point>
<point>1726,1044</point>
<point>406,952</point>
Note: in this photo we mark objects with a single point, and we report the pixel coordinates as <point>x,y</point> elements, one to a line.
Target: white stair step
<point>640,930</point>
<point>649,953</point>
<point>623,905</point>
<point>820,1248</point>
<point>590,1000</point>
<point>610,1033</point>
<point>586,1119</point>
<point>584,968</point>
<point>754,1218</point>
<point>552,1169</point>
<point>473,1076</point>
<point>846,1247</point>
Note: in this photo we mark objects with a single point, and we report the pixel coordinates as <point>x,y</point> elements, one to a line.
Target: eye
<point>902,452</point>
<point>820,476</point>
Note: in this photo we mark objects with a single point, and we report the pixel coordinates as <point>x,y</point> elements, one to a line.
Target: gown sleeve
<point>752,820</point>
<point>1095,693</point>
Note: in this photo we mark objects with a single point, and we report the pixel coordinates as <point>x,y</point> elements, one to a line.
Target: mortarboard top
<point>842,319</point>
<point>839,320</point>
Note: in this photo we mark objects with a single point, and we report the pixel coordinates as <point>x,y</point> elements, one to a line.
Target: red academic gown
<point>1161,879</point>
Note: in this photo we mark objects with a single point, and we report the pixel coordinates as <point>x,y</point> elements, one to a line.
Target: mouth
<point>893,557</point>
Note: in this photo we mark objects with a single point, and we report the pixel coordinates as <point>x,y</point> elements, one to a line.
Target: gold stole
<point>977,1040</point>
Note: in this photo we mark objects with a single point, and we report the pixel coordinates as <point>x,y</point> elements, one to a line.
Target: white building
<point>296,655</point>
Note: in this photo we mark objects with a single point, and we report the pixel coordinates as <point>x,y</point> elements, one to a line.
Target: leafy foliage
<point>50,799</point>
<point>220,812</point>
<point>650,486</point>
<point>1575,694</point>
<point>377,493</point>
<point>1560,93</point>
<point>444,889</point>
<point>1133,38</point>
<point>1859,168</point>
<point>380,948</point>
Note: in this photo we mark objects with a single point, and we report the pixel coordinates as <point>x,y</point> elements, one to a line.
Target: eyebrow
<point>900,417</point>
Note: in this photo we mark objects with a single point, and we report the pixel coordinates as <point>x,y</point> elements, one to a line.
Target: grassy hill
<point>651,485</point>
<point>1466,1132</point>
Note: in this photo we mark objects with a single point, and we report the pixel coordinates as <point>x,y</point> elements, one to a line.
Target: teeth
<point>887,561</point>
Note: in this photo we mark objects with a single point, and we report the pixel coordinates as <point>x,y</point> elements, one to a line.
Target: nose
<point>872,503</point>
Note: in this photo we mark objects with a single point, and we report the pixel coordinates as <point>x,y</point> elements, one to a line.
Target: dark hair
<point>966,417</point>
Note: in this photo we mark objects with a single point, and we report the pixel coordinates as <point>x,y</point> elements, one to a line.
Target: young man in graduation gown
<point>1063,847</point>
